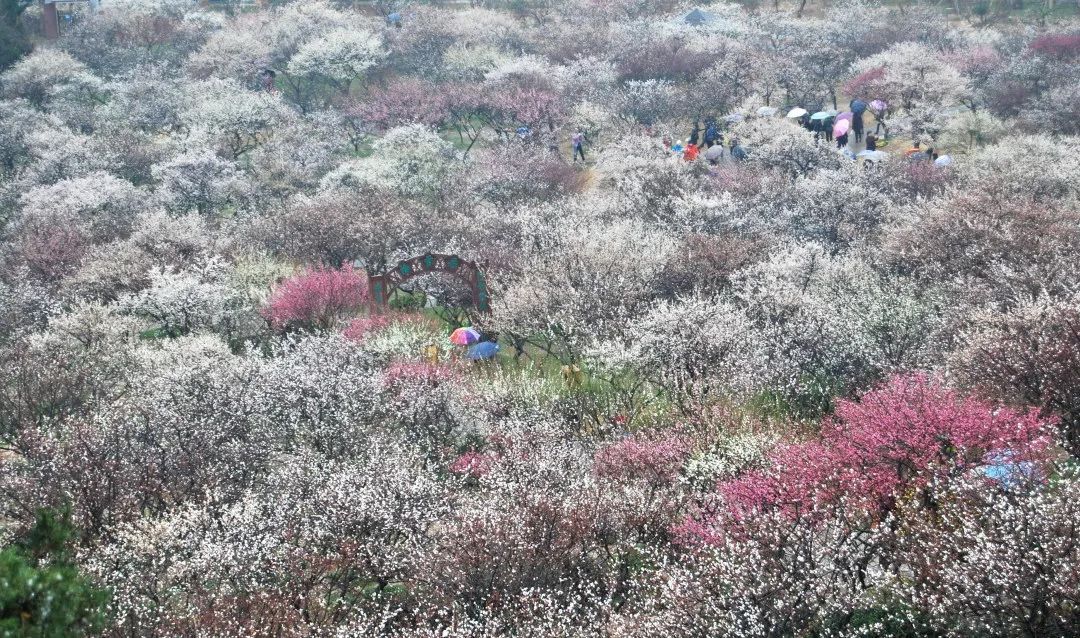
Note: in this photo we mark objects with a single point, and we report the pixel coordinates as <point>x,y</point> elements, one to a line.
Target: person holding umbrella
<point>842,140</point>
<point>857,108</point>
<point>880,109</point>
<point>841,128</point>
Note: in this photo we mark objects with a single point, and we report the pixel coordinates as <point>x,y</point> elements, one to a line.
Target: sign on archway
<point>382,286</point>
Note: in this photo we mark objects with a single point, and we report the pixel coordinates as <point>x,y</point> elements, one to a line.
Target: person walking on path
<point>871,142</point>
<point>842,140</point>
<point>577,141</point>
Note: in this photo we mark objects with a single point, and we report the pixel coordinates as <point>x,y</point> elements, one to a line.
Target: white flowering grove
<point>775,391</point>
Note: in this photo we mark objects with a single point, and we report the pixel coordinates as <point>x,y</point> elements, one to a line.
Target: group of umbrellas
<point>842,123</point>
<point>477,349</point>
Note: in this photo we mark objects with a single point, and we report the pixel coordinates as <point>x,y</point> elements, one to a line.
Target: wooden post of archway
<point>381,286</point>
<point>50,21</point>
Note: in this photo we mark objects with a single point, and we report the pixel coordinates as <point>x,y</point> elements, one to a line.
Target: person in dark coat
<point>827,125</point>
<point>711,134</point>
<point>857,126</point>
<point>857,108</point>
<point>871,142</point>
<point>842,140</point>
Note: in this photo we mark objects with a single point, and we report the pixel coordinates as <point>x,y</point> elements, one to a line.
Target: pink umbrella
<point>841,127</point>
<point>846,115</point>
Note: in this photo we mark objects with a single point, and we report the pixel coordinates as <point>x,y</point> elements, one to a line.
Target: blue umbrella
<point>697,17</point>
<point>1006,470</point>
<point>858,107</point>
<point>483,350</point>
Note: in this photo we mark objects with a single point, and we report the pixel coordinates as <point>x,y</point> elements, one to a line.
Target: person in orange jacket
<point>691,152</point>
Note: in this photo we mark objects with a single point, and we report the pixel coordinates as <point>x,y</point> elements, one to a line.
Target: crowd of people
<point>708,142</point>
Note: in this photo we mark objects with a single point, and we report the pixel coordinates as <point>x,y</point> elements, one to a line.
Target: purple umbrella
<point>846,115</point>
<point>878,105</point>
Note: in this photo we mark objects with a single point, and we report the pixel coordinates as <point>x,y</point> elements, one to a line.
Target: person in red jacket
<point>691,152</point>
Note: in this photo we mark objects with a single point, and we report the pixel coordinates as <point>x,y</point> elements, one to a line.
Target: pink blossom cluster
<point>1064,46</point>
<point>654,459</point>
<point>900,437</point>
<point>317,298</point>
<point>410,373</point>
<point>474,464</point>
<point>362,327</point>
<point>864,83</point>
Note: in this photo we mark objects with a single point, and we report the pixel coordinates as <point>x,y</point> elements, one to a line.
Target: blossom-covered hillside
<point>621,318</point>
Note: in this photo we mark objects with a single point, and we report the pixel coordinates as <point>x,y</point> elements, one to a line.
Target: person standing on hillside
<point>712,134</point>
<point>857,108</point>
<point>577,141</point>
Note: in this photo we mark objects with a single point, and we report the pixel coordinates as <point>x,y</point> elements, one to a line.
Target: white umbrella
<point>767,111</point>
<point>944,160</point>
<point>875,156</point>
<point>796,112</point>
